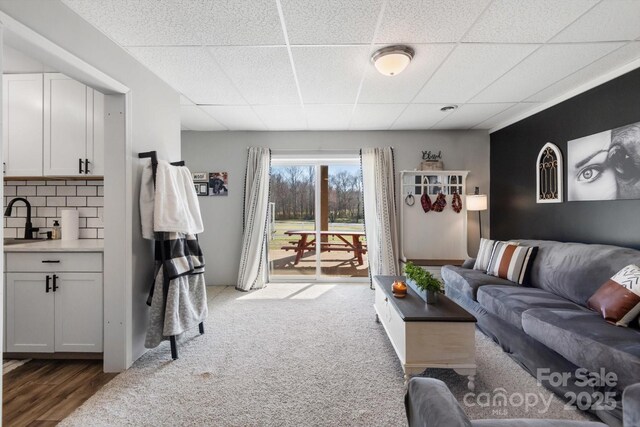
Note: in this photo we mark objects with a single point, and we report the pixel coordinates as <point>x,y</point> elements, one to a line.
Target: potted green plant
<point>424,281</point>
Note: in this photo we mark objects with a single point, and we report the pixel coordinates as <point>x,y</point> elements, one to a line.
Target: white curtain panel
<point>378,178</point>
<point>253,261</point>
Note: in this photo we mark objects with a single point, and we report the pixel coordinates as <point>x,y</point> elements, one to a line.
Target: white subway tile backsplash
<point>66,190</point>
<point>88,212</point>
<point>47,212</point>
<point>49,198</point>
<point>38,201</point>
<point>88,233</point>
<point>76,201</point>
<point>43,190</point>
<point>88,190</point>
<point>25,190</point>
<point>56,201</point>
<point>95,201</point>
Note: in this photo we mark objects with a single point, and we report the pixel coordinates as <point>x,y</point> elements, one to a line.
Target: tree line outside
<point>293,192</point>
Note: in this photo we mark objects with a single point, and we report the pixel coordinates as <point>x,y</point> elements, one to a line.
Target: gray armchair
<point>429,403</point>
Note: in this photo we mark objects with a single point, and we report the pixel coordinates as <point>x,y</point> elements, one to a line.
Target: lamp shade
<point>477,202</point>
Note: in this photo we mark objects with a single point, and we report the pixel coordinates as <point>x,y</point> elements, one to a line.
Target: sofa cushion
<point>467,281</point>
<point>509,302</point>
<point>586,340</point>
<point>576,270</point>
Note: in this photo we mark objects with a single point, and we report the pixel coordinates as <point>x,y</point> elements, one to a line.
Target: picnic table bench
<point>307,242</point>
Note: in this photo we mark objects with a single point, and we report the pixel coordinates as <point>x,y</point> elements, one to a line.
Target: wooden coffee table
<point>440,335</point>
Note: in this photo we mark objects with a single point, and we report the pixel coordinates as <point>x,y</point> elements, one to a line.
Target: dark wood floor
<point>44,392</point>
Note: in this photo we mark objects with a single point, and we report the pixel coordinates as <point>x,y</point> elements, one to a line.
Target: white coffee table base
<point>428,344</point>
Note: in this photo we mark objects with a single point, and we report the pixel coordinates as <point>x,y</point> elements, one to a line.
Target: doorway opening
<point>316,219</point>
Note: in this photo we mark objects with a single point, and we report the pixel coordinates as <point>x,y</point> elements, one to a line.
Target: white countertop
<point>83,245</point>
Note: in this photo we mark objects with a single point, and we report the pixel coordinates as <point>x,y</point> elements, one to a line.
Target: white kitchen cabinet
<point>30,314</point>
<point>51,308</point>
<point>69,128</point>
<point>22,112</point>
<point>78,312</point>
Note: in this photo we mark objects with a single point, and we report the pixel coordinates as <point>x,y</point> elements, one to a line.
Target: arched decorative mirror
<point>549,174</point>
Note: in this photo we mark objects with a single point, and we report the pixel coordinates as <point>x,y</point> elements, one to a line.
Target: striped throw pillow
<point>618,300</point>
<point>511,262</point>
<point>484,254</point>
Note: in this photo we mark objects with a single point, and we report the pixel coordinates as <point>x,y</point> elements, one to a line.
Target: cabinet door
<point>95,136</point>
<point>78,308</point>
<point>22,103</point>
<point>65,126</point>
<point>30,317</point>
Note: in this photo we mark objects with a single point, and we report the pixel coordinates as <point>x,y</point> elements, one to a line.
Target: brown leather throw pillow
<point>618,300</point>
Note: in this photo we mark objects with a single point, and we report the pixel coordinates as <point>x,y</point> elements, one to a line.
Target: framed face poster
<point>606,165</point>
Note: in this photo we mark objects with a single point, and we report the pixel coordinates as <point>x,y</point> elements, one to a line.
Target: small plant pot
<point>432,297</point>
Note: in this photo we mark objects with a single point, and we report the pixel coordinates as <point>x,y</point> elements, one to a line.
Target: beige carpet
<point>289,355</point>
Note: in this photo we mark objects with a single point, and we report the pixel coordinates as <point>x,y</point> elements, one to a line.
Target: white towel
<point>176,207</point>
<point>147,195</point>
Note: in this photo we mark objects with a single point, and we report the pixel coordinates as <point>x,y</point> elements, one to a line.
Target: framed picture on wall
<point>605,165</point>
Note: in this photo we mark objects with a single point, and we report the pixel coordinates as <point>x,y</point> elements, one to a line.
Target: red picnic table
<point>304,243</point>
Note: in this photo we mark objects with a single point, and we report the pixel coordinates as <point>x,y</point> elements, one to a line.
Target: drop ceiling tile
<point>184,22</point>
<point>375,116</point>
<point>193,118</point>
<point>282,117</point>
<point>428,21</point>
<point>330,74</point>
<point>469,69</point>
<point>526,21</point>
<point>602,66</point>
<point>470,115</point>
<point>546,66</point>
<point>263,75</point>
<point>191,71</point>
<point>419,116</point>
<point>328,117</point>
<point>235,117</point>
<point>508,114</point>
<point>378,88</point>
<point>330,21</point>
<point>611,20</point>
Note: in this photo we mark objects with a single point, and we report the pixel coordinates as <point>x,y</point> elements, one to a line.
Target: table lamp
<point>477,202</point>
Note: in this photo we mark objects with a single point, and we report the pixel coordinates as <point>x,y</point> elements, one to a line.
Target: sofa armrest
<point>469,263</point>
<point>631,405</point>
<point>429,403</point>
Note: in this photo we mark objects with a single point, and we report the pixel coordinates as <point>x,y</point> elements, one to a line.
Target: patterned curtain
<point>253,261</point>
<point>378,178</point>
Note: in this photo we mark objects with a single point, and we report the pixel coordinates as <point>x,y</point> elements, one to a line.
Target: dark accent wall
<point>514,211</point>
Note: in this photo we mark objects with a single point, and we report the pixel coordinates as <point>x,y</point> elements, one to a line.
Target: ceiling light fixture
<point>448,108</point>
<point>392,60</point>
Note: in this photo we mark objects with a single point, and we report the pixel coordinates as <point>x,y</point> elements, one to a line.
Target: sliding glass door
<point>316,221</point>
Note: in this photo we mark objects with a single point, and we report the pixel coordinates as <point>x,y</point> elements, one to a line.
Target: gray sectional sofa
<point>547,325</point>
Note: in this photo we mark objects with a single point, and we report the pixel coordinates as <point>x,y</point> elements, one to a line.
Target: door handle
<point>80,166</point>
<point>86,166</point>
<point>47,287</point>
<point>55,286</point>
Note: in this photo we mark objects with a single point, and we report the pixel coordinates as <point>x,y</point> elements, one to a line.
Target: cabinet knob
<point>80,166</point>
<point>55,286</point>
<point>47,286</point>
<point>86,166</point>
<point>386,299</point>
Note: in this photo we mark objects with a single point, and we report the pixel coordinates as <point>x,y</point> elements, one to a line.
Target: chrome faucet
<point>28,227</point>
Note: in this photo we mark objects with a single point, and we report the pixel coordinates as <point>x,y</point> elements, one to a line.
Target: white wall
<point>227,151</point>
<point>154,125</point>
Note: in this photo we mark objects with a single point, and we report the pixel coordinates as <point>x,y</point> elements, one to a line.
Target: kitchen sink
<point>10,241</point>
